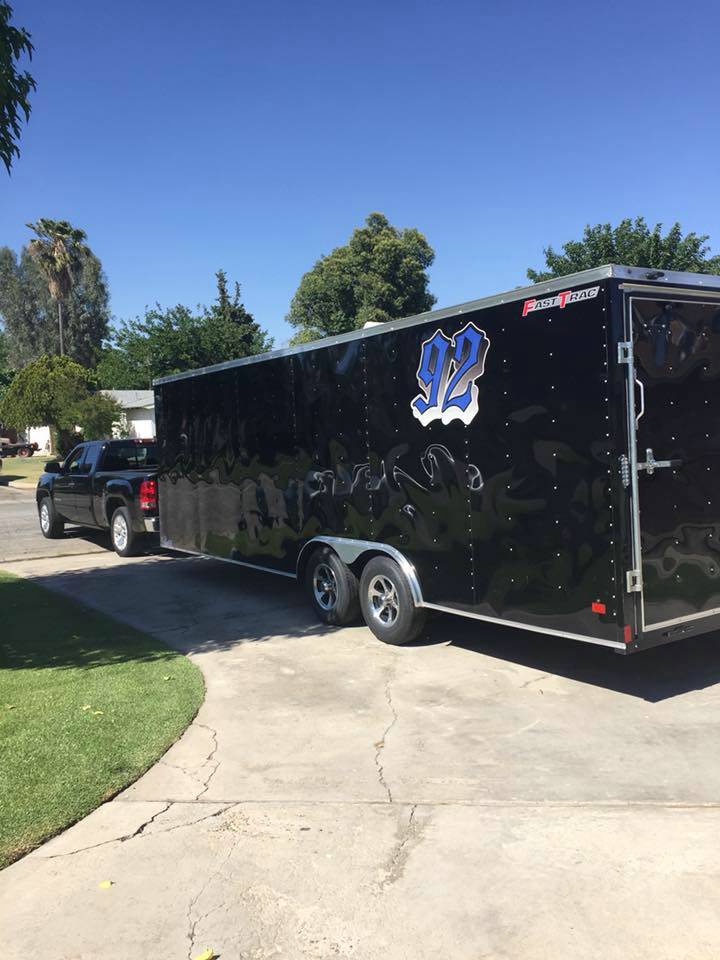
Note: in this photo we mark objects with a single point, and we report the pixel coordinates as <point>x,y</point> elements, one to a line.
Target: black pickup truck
<point>107,484</point>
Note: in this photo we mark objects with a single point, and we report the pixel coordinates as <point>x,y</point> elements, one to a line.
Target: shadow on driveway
<point>199,605</point>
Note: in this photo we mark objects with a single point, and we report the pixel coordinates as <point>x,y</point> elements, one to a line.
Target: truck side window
<point>73,461</point>
<point>90,458</point>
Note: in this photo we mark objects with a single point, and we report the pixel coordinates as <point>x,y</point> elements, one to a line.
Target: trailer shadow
<point>653,675</point>
<point>197,605</point>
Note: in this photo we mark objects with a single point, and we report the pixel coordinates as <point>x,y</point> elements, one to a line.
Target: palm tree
<point>59,251</point>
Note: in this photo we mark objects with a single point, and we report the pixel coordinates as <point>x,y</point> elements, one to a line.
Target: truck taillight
<point>148,495</point>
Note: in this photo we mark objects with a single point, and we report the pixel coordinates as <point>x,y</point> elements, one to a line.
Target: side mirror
<point>53,466</point>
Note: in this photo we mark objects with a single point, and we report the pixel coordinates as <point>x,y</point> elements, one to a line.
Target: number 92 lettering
<point>446,375</point>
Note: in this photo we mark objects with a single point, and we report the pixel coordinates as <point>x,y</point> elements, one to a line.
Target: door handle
<point>641,385</point>
<point>650,464</point>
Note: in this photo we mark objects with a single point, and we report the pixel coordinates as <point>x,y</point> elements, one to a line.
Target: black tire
<point>387,603</point>
<point>24,452</point>
<point>51,526</point>
<point>338,604</point>
<point>126,543</point>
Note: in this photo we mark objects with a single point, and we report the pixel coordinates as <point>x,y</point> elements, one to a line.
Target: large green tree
<point>56,392</point>
<point>631,243</point>
<point>31,314</point>
<point>379,275</point>
<point>6,371</point>
<point>15,85</point>
<point>167,341</point>
<point>59,250</point>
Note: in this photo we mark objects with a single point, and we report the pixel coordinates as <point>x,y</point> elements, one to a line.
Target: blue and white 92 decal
<point>446,375</point>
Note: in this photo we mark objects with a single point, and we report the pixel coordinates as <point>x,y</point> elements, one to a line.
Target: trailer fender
<point>350,551</point>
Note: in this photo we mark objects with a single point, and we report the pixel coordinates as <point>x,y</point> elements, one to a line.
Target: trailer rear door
<point>673,387</point>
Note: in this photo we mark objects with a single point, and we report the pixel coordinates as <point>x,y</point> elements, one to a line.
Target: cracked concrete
<point>527,797</point>
<point>382,742</point>
<point>409,834</point>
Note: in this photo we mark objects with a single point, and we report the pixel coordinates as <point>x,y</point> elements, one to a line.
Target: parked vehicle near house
<point>546,458</point>
<point>20,448</point>
<point>105,484</point>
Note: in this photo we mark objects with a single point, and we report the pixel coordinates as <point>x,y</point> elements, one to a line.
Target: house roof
<point>132,399</point>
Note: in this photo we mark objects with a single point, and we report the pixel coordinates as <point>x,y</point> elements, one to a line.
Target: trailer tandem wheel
<point>387,602</point>
<point>332,588</point>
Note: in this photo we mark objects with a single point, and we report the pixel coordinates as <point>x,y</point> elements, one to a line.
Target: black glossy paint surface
<point>677,357</point>
<point>508,515</point>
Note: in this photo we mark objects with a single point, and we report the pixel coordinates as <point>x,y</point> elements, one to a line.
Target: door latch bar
<point>651,464</point>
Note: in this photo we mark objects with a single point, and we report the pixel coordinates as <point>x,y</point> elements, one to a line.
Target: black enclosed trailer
<point>547,458</point>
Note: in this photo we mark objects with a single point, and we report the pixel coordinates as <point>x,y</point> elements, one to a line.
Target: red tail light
<point>148,495</point>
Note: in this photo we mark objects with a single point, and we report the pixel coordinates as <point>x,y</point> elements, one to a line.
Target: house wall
<point>40,436</point>
<point>137,422</point>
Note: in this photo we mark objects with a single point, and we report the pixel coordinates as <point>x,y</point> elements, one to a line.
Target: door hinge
<point>633,581</point>
<point>625,351</point>
<point>624,470</point>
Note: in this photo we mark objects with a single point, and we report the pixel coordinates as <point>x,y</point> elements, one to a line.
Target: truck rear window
<point>133,456</point>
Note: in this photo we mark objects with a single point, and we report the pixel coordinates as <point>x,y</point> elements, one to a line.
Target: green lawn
<point>86,705</point>
<point>23,468</point>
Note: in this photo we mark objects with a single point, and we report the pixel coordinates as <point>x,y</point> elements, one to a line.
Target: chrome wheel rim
<point>120,532</point>
<point>325,587</point>
<point>384,602</point>
<point>44,518</point>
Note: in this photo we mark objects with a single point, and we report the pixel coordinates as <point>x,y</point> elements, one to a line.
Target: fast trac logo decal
<point>561,300</point>
<point>446,375</point>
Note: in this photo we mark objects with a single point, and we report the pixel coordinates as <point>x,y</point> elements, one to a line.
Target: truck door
<point>673,387</point>
<point>65,484</point>
<point>84,481</point>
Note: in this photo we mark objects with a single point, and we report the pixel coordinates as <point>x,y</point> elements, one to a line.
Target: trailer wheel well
<point>358,562</point>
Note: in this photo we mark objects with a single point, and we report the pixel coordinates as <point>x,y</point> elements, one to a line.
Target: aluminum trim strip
<point>238,563</point>
<point>688,619</point>
<point>525,626</point>
<point>653,292</point>
<point>634,490</point>
<point>510,296</point>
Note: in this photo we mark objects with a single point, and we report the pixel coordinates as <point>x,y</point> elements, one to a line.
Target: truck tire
<point>24,452</point>
<point>125,541</point>
<point>51,526</point>
<point>332,587</point>
<point>387,603</point>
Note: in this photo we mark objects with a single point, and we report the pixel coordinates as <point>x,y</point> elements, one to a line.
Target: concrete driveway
<point>484,793</point>
<point>20,536</point>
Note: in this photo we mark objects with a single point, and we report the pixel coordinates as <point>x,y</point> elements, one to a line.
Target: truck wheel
<point>123,537</point>
<point>24,452</point>
<point>50,524</point>
<point>333,588</point>
<point>387,603</point>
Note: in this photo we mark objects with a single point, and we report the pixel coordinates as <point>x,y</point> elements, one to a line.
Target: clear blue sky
<point>254,136</point>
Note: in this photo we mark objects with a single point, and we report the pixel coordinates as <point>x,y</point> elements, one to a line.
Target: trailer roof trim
<point>637,274</point>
